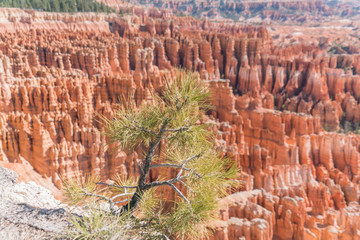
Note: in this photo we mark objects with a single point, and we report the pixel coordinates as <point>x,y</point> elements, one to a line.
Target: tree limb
<point>160,183</point>
<point>175,166</point>
<point>144,129</point>
<point>132,204</point>
<point>117,186</point>
<point>186,186</point>
<point>183,164</point>
<point>121,195</point>
<point>144,187</point>
<point>178,178</point>
<point>111,202</point>
<point>141,129</point>
<point>122,201</point>
<point>169,165</point>
<point>179,192</point>
<point>180,129</point>
<point>150,154</point>
<point>86,193</point>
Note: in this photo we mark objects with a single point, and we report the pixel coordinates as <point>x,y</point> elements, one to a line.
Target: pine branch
<point>171,184</point>
<point>145,171</point>
<point>186,161</point>
<point>117,186</point>
<point>122,201</point>
<point>178,178</point>
<point>182,166</point>
<point>141,129</point>
<point>111,202</point>
<point>121,195</point>
<point>187,186</point>
<point>150,154</point>
<point>145,187</point>
<point>180,129</point>
<point>162,183</point>
<point>86,193</point>
<point>169,165</point>
<point>144,129</point>
<point>179,192</point>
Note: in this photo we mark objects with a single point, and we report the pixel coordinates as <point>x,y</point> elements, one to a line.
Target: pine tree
<point>58,6</point>
<point>172,135</point>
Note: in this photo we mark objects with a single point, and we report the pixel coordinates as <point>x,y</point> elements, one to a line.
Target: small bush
<point>188,163</point>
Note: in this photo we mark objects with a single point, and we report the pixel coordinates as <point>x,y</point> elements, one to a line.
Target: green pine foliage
<point>173,136</point>
<point>71,6</point>
<point>97,224</point>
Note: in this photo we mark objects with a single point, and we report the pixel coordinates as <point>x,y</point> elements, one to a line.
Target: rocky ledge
<point>28,211</point>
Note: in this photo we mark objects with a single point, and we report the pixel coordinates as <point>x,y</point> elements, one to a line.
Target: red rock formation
<point>299,180</point>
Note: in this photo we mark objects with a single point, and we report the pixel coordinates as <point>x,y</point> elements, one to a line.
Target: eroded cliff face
<point>308,177</point>
<point>300,181</point>
<point>274,11</point>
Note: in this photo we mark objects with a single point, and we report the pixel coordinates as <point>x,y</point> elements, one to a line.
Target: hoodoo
<point>286,102</point>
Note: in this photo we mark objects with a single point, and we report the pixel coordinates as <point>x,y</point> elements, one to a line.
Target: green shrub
<point>200,175</point>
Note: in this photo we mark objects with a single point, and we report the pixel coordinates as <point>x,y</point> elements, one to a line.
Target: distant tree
<point>55,6</point>
<point>173,138</point>
<point>58,5</point>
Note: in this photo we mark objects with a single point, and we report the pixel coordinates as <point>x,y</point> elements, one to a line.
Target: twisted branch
<point>117,186</point>
<point>179,129</point>
<point>169,182</point>
<point>179,192</point>
<point>182,166</point>
<point>178,177</point>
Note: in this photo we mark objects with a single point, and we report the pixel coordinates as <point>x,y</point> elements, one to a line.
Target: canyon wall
<point>260,11</point>
<point>272,106</point>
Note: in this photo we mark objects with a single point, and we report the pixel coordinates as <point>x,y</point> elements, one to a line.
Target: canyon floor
<point>285,86</point>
